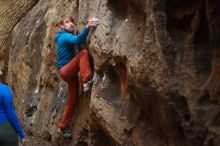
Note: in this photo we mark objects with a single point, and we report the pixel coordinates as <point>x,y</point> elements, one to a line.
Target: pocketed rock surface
<point>156,66</point>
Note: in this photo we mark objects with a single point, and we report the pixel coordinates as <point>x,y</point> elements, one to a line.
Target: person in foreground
<point>9,123</point>
<point>70,63</point>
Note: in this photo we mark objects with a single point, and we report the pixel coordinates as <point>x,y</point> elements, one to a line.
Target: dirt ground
<point>34,141</point>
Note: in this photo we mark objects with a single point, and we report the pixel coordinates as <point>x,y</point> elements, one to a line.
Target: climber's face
<point>67,25</point>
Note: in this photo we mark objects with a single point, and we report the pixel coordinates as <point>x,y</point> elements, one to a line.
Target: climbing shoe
<point>87,86</point>
<point>65,133</point>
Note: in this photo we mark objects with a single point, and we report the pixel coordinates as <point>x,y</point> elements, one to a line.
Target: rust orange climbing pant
<point>69,73</point>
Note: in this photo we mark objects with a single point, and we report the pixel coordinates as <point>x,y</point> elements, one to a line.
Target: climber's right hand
<point>93,22</point>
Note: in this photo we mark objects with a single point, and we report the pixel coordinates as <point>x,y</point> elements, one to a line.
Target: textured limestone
<point>11,12</point>
<point>156,69</point>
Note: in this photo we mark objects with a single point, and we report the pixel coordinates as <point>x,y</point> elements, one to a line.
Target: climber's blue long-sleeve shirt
<point>65,42</point>
<point>7,111</point>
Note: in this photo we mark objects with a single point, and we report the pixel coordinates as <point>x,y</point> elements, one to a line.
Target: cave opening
<point>114,85</point>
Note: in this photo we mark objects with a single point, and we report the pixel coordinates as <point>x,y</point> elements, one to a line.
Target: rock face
<point>156,67</point>
<point>11,12</point>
